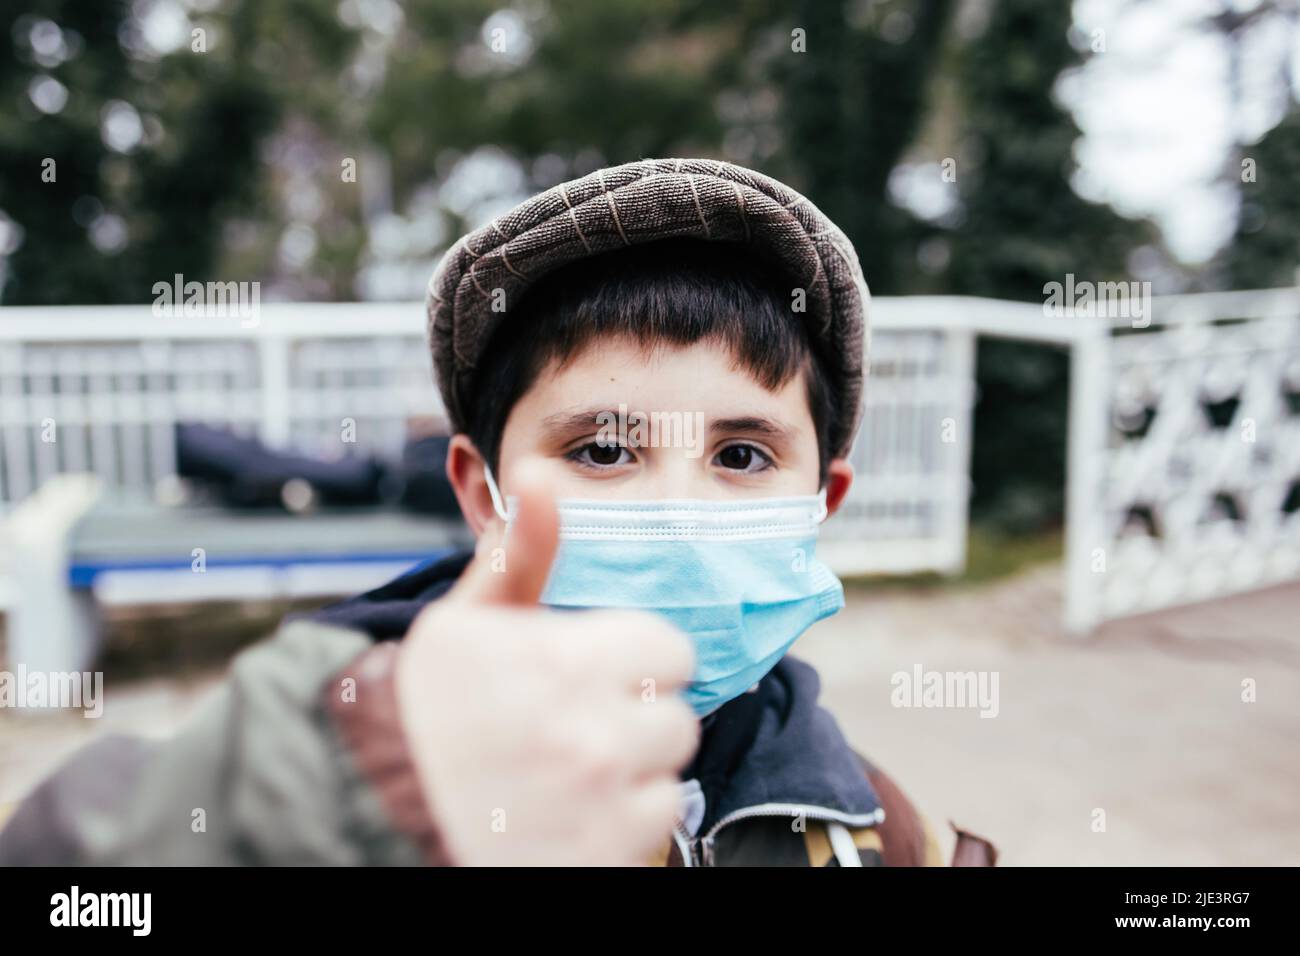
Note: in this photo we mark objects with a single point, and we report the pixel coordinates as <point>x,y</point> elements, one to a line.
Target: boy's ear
<point>465,472</point>
<point>839,479</point>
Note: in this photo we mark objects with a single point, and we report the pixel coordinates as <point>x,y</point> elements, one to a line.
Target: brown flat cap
<point>644,202</point>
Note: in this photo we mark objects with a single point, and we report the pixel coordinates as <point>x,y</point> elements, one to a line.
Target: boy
<point>654,375</point>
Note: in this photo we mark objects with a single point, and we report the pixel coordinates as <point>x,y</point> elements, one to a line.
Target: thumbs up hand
<point>513,572</point>
<point>543,737</point>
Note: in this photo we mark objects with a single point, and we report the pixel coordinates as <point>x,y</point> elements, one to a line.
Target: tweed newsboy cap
<point>644,202</point>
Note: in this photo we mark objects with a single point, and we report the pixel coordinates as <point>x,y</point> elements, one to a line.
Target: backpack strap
<point>842,845</point>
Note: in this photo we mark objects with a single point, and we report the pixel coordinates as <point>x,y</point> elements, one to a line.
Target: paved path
<point>1144,721</point>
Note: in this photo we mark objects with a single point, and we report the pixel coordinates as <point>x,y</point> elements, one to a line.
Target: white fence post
<point>1085,513</point>
<point>273,356</point>
<point>16,481</point>
<point>959,362</point>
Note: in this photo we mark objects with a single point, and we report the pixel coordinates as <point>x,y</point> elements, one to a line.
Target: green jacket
<point>300,758</point>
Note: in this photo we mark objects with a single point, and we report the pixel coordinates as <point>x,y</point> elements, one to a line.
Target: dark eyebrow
<point>766,427</point>
<point>564,422</point>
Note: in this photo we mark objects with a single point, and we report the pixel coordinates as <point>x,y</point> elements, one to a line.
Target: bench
<point>74,549</point>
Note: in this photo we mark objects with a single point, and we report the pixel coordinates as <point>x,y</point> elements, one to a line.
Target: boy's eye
<point>742,458</point>
<point>600,455</point>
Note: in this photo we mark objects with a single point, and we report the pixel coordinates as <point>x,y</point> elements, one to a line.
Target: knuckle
<point>662,802</point>
<point>551,744</point>
<point>600,759</point>
<point>681,731</point>
<point>569,667</point>
<point>554,647</point>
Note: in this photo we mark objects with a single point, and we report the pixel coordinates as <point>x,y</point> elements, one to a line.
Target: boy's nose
<point>679,476</point>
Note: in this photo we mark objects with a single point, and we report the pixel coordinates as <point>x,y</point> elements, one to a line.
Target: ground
<point>1141,729</point>
<point>1143,721</point>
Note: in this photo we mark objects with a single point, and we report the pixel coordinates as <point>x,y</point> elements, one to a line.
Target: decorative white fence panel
<point>1200,470</point>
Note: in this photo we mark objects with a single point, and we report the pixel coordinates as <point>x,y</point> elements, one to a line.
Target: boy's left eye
<point>598,455</point>
<point>745,458</point>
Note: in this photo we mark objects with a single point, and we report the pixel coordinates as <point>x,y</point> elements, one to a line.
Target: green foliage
<point>851,107</point>
<point>1265,251</point>
<point>992,554</point>
<point>1022,225</point>
<point>205,117</point>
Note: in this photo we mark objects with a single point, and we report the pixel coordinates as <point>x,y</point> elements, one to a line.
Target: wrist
<point>367,716</point>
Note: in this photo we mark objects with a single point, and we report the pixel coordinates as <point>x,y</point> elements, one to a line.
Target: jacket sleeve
<point>298,759</point>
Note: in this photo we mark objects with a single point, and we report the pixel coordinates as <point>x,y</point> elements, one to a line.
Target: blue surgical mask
<point>740,577</point>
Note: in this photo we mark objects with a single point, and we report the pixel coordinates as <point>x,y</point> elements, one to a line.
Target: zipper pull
<point>685,844</point>
<point>706,851</point>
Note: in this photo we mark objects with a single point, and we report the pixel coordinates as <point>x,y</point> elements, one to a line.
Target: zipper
<point>823,814</point>
<point>685,843</point>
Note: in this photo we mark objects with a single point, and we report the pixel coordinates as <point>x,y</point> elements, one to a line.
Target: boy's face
<point>693,425</point>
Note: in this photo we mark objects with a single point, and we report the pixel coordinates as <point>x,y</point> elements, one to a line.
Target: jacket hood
<point>773,747</point>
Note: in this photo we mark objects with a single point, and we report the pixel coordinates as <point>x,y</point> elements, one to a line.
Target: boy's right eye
<point>597,455</point>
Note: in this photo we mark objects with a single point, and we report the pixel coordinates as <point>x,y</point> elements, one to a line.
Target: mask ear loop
<point>822,510</point>
<point>497,504</point>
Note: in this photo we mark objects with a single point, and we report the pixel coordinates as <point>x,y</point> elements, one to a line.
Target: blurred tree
<point>1265,248</point>
<point>1265,252</point>
<point>826,96</point>
<point>1019,226</point>
<point>154,152</point>
<point>550,92</point>
<point>851,107</point>
<point>51,152</point>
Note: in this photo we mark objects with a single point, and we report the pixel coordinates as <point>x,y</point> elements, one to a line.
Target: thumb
<point>511,568</point>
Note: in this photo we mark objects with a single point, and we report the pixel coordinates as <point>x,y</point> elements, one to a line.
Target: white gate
<point>1187,439</point>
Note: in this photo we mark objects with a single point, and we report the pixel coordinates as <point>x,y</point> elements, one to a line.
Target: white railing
<point>1185,463</point>
<point>99,389</point>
